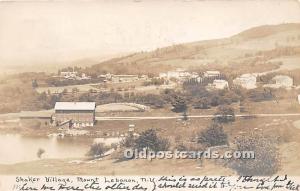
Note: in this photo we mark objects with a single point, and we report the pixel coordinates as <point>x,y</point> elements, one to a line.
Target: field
<point>281,127</point>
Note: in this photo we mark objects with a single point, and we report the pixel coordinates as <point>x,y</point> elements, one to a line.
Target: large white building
<point>79,114</point>
<point>283,81</point>
<point>124,78</point>
<point>247,81</point>
<point>179,74</point>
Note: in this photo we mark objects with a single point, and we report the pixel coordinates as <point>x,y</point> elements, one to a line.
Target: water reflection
<point>17,148</point>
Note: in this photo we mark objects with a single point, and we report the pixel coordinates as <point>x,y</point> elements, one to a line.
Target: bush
<point>202,104</point>
<point>149,139</point>
<point>154,81</point>
<point>181,147</point>
<point>267,159</point>
<point>213,135</point>
<point>224,114</point>
<point>179,104</point>
<point>128,142</point>
<point>40,152</point>
<point>97,150</point>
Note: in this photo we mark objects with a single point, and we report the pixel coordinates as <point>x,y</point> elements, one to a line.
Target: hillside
<point>257,46</point>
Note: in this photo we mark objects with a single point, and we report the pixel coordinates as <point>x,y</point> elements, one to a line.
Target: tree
<point>179,104</point>
<point>267,158</point>
<point>213,135</point>
<point>181,147</point>
<point>202,103</point>
<point>224,114</point>
<point>40,152</point>
<point>34,83</point>
<point>97,150</point>
<point>215,100</point>
<point>185,116</point>
<point>128,142</point>
<point>149,139</point>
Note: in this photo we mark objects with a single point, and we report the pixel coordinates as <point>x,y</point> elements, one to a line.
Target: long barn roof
<point>82,106</point>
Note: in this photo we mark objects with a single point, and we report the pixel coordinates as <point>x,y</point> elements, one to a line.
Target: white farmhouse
<point>283,81</point>
<point>247,81</point>
<point>280,81</point>
<point>163,75</point>
<point>217,85</point>
<point>220,84</point>
<point>173,74</point>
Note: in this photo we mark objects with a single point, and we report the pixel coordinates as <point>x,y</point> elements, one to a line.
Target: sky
<point>61,31</point>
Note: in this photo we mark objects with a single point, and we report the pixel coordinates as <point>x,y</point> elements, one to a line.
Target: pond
<point>16,148</point>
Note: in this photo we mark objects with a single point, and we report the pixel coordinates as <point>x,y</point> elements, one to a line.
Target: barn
<point>78,114</point>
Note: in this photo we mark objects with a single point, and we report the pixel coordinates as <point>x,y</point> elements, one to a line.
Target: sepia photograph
<point>149,95</point>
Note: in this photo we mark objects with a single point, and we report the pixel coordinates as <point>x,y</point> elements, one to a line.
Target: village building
<point>76,114</point>
<point>283,81</point>
<point>220,84</point>
<point>68,75</point>
<point>85,77</point>
<point>144,77</point>
<point>43,118</point>
<point>199,79</point>
<point>217,85</point>
<point>179,74</point>
<point>124,78</point>
<point>105,77</point>
<point>163,75</point>
<point>194,75</point>
<point>247,81</point>
<point>212,74</point>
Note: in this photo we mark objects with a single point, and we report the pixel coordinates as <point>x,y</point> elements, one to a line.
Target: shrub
<point>181,147</point>
<point>224,114</point>
<point>128,142</point>
<point>97,150</point>
<point>202,104</point>
<point>179,104</point>
<point>213,135</point>
<point>267,159</point>
<point>40,152</point>
<point>149,139</point>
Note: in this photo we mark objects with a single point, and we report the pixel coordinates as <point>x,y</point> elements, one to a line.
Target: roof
<point>220,81</point>
<point>36,114</point>
<point>126,75</point>
<point>83,106</point>
<point>213,71</point>
<point>282,77</point>
<point>248,76</point>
